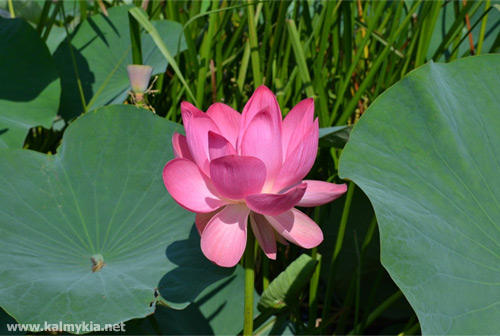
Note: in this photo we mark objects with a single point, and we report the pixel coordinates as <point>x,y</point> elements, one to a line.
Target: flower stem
<point>313,283</point>
<point>265,272</point>
<point>249,284</point>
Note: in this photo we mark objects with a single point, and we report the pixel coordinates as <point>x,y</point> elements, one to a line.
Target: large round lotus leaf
<point>217,311</point>
<point>427,155</point>
<point>100,201</point>
<point>29,83</point>
<point>102,50</point>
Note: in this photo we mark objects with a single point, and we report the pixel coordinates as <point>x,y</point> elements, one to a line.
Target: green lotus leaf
<point>29,83</point>
<point>84,233</point>
<point>426,153</point>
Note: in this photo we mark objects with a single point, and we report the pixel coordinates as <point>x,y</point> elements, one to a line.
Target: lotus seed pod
<point>139,76</point>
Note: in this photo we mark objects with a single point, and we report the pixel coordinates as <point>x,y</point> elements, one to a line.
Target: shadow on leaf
<point>193,274</point>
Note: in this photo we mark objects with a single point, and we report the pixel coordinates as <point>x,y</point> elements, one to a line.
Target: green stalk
<point>243,67</point>
<point>368,237</point>
<point>205,56</point>
<point>381,308</point>
<point>73,59</point>
<point>348,32</point>
<point>345,83</point>
<point>483,27</point>
<point>249,284</point>
<point>328,17</point>
<point>412,330</point>
<point>466,35</point>
<point>43,17</point>
<point>254,46</point>
<point>454,30</point>
<point>11,9</point>
<point>300,57</point>
<point>218,70</point>
<point>263,49</point>
<point>83,10</point>
<point>48,26</point>
<point>338,247</point>
<point>374,69</point>
<point>135,40</point>
<point>409,54</point>
<point>313,283</point>
<point>235,38</point>
<point>428,24</point>
<point>283,5</point>
<point>265,272</point>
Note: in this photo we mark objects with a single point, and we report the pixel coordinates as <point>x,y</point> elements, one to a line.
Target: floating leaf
<point>426,154</point>
<point>284,290</point>
<point>29,83</point>
<point>101,50</point>
<point>83,233</point>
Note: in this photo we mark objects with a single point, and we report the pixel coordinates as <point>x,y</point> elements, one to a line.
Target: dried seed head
<point>139,76</point>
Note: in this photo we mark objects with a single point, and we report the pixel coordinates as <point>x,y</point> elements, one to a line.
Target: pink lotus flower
<point>231,167</point>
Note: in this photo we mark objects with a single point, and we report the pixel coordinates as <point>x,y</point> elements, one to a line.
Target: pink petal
<point>197,125</point>
<point>224,238</point>
<point>189,111</point>
<point>274,204</point>
<point>300,160</point>
<point>227,120</point>
<point>237,176</point>
<point>262,139</point>
<point>296,123</point>
<point>181,149</point>
<point>264,233</point>
<point>296,227</point>
<point>188,187</point>
<point>201,220</point>
<point>218,146</point>
<point>319,192</point>
<point>262,99</point>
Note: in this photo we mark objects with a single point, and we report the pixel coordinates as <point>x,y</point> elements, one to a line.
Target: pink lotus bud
<point>232,168</point>
<point>139,76</point>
